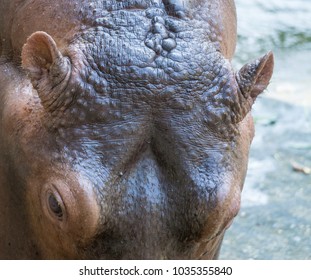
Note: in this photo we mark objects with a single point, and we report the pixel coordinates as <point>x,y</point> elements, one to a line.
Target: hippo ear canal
<point>48,69</point>
<point>254,77</point>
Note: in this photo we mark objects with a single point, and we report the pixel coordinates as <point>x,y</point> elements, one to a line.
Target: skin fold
<point>124,129</point>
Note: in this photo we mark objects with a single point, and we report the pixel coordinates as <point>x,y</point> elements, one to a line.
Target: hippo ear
<point>48,69</point>
<point>254,77</point>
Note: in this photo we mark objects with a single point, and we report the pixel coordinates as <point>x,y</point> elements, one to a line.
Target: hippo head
<point>135,134</point>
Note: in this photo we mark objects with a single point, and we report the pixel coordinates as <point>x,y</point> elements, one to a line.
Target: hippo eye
<point>55,207</point>
<point>53,204</point>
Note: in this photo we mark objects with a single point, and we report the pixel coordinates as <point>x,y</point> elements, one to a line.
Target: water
<point>279,25</point>
<point>275,221</point>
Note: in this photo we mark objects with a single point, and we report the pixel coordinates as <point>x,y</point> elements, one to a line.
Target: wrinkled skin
<point>124,130</point>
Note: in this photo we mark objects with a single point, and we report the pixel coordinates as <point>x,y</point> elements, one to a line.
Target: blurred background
<point>275,218</point>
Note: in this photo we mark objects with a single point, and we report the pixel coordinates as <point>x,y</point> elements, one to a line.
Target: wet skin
<point>124,129</point>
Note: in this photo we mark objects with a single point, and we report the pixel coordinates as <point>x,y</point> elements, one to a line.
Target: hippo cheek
<point>220,220</point>
<point>64,215</point>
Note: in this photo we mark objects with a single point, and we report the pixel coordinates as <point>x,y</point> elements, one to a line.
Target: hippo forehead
<point>148,54</point>
<point>132,45</point>
<point>152,63</point>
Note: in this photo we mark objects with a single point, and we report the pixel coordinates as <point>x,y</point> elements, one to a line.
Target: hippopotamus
<point>124,128</point>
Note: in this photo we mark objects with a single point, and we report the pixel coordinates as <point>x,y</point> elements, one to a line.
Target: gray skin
<point>124,130</point>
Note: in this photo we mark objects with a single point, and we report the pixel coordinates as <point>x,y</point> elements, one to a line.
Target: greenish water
<point>279,25</point>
